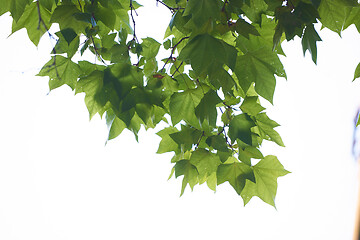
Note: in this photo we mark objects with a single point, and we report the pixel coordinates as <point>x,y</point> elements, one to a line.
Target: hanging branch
<point>172,52</point>
<point>41,22</point>
<point>132,9</point>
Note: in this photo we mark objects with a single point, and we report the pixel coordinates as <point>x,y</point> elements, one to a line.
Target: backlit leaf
<point>266,173</point>
<point>61,71</point>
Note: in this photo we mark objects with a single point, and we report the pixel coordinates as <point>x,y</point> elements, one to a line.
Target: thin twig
<point>132,9</point>
<point>172,52</point>
<point>173,10</point>
<point>41,22</point>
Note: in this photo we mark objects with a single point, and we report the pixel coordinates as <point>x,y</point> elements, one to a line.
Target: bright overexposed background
<point>58,180</point>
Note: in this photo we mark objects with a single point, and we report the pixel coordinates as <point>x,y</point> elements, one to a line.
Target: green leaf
<point>184,167</point>
<point>266,127</point>
<point>203,10</point>
<point>91,86</point>
<point>30,20</point>
<point>240,128</point>
<point>182,106</point>
<point>206,163</point>
<point>17,7</point>
<point>48,4</point>
<point>64,15</point>
<point>150,47</point>
<point>206,110</point>
<point>187,137</point>
<point>61,71</point>
<point>114,124</point>
<point>251,106</point>
<point>357,72</point>
<point>218,142</point>
<point>236,174</point>
<point>244,28</point>
<point>167,144</point>
<point>333,13</point>
<point>254,10</point>
<point>259,66</point>
<point>309,40</point>
<point>266,173</point>
<point>205,52</point>
<point>353,18</point>
<point>105,15</point>
<point>68,42</point>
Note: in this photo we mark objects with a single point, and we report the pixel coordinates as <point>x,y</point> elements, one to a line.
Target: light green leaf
<point>30,20</point>
<point>184,167</point>
<point>206,163</point>
<point>266,127</point>
<point>167,144</point>
<point>357,72</point>
<point>64,15</point>
<point>182,106</point>
<point>114,124</point>
<point>353,18</point>
<point>266,173</point>
<point>236,174</point>
<point>259,67</point>
<point>333,14</point>
<point>251,106</point>
<point>91,86</point>
<point>61,71</point>
<point>150,47</point>
<point>240,128</point>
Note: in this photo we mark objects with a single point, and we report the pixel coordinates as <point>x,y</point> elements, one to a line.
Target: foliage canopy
<point>223,57</point>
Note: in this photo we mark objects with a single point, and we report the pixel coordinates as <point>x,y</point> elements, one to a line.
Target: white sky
<point>59,181</point>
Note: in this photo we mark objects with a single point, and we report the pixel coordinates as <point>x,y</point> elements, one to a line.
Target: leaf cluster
<point>223,60</point>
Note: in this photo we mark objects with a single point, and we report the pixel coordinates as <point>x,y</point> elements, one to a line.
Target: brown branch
<point>132,9</point>
<point>172,52</point>
<point>41,22</point>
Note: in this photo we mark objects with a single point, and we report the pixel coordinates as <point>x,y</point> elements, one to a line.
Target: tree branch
<point>41,22</point>
<point>172,52</point>
<point>173,10</point>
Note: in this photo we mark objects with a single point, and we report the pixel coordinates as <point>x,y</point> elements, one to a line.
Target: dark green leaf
<point>206,110</point>
<point>240,128</point>
<point>203,10</point>
<point>205,52</point>
<point>309,40</point>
